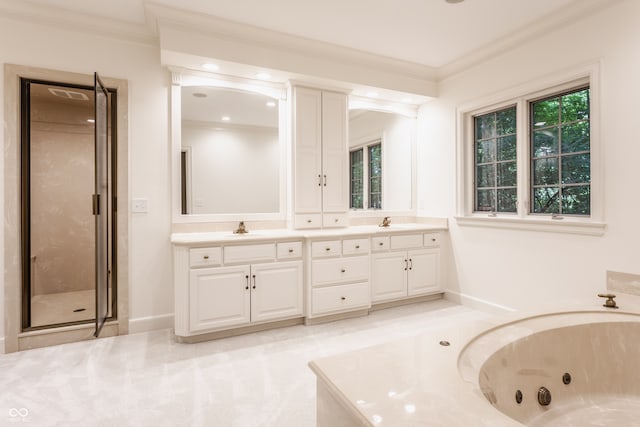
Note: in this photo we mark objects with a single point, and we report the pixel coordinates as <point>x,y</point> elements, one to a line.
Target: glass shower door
<point>101,203</point>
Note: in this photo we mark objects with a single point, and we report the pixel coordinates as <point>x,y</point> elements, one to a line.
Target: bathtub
<point>566,369</point>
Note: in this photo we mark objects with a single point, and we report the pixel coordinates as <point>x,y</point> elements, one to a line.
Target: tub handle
<point>610,302</point>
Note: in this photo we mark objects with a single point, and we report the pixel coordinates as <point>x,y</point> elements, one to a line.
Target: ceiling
<point>432,33</point>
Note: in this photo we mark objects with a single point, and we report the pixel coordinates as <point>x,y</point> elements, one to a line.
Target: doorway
<point>68,204</point>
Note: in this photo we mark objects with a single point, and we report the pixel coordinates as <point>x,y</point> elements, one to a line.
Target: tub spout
<point>610,302</point>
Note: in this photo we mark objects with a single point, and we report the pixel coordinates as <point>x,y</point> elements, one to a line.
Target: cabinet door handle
<point>343,298</point>
<point>247,277</point>
<point>325,180</point>
<point>411,264</point>
<point>319,180</point>
<point>254,281</point>
<point>406,265</point>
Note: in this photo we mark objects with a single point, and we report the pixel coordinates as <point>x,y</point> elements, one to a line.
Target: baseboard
<point>150,323</point>
<point>477,303</point>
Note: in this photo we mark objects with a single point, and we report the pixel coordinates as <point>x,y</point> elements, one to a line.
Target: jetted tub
<point>562,369</point>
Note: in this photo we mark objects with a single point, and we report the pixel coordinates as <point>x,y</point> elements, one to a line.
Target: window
<point>366,176</point>
<point>560,154</point>
<point>495,161</point>
<point>533,158</point>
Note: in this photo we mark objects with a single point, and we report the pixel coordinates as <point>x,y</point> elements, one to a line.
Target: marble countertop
<point>272,234</point>
<point>416,381</point>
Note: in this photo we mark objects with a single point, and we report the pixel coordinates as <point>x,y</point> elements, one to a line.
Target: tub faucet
<point>242,229</point>
<point>610,302</point>
<point>386,221</point>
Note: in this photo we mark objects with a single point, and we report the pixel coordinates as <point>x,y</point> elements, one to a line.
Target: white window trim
<point>521,96</point>
<point>364,143</point>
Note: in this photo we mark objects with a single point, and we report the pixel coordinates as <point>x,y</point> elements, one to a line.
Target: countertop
<point>416,381</point>
<point>223,237</point>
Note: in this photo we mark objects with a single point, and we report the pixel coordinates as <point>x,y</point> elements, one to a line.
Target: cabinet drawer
<point>249,253</point>
<point>330,220</point>
<point>340,298</point>
<point>355,246</point>
<point>289,250</point>
<point>406,241</point>
<point>340,270</point>
<point>325,249</point>
<point>380,243</point>
<point>302,221</point>
<point>205,257</point>
<point>432,239</point>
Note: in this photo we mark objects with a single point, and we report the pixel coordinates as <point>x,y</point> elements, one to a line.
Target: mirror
<point>381,166</point>
<point>230,152</point>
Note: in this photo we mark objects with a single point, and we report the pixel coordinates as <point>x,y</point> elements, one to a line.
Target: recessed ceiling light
<point>210,66</point>
<point>263,76</point>
<point>372,94</point>
<point>226,118</point>
<point>200,95</point>
<point>271,104</point>
<point>91,121</point>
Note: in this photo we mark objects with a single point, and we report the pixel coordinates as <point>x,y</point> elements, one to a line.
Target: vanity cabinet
<point>321,197</point>
<point>339,276</point>
<point>231,286</point>
<point>405,266</point>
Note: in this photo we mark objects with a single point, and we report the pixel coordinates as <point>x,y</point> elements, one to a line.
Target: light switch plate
<point>140,205</point>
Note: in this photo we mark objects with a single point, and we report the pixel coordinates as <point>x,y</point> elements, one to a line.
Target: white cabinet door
<point>219,297</point>
<point>335,153</point>
<point>388,276</point>
<point>307,132</point>
<point>424,271</point>
<point>276,291</point>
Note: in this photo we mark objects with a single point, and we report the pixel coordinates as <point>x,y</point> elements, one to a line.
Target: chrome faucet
<point>386,221</point>
<point>610,302</point>
<point>242,229</point>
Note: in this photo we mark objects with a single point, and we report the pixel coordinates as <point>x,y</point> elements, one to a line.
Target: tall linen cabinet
<point>321,175</point>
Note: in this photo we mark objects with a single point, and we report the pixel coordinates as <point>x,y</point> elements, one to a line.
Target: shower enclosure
<point>68,155</point>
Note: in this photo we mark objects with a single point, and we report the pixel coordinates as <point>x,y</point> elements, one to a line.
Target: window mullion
<point>523,156</point>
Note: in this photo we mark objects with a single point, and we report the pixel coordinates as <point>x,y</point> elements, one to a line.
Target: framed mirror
<point>230,153</point>
<point>381,161</point>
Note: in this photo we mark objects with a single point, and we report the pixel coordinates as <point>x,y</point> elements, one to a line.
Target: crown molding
<point>206,35</point>
<point>570,13</point>
<point>68,19</point>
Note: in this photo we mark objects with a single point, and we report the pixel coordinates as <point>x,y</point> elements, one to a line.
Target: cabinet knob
<point>357,246</point>
<point>336,220</point>
<point>309,221</point>
<point>343,270</point>
<point>327,249</point>
<point>206,257</point>
<point>343,298</point>
<point>290,251</point>
<point>433,239</point>
<point>381,244</point>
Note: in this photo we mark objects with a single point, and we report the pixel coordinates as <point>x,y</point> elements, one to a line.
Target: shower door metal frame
<point>25,202</point>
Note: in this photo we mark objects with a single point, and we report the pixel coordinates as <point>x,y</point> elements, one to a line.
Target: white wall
<point>150,284</point>
<point>523,268</point>
<point>233,169</point>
